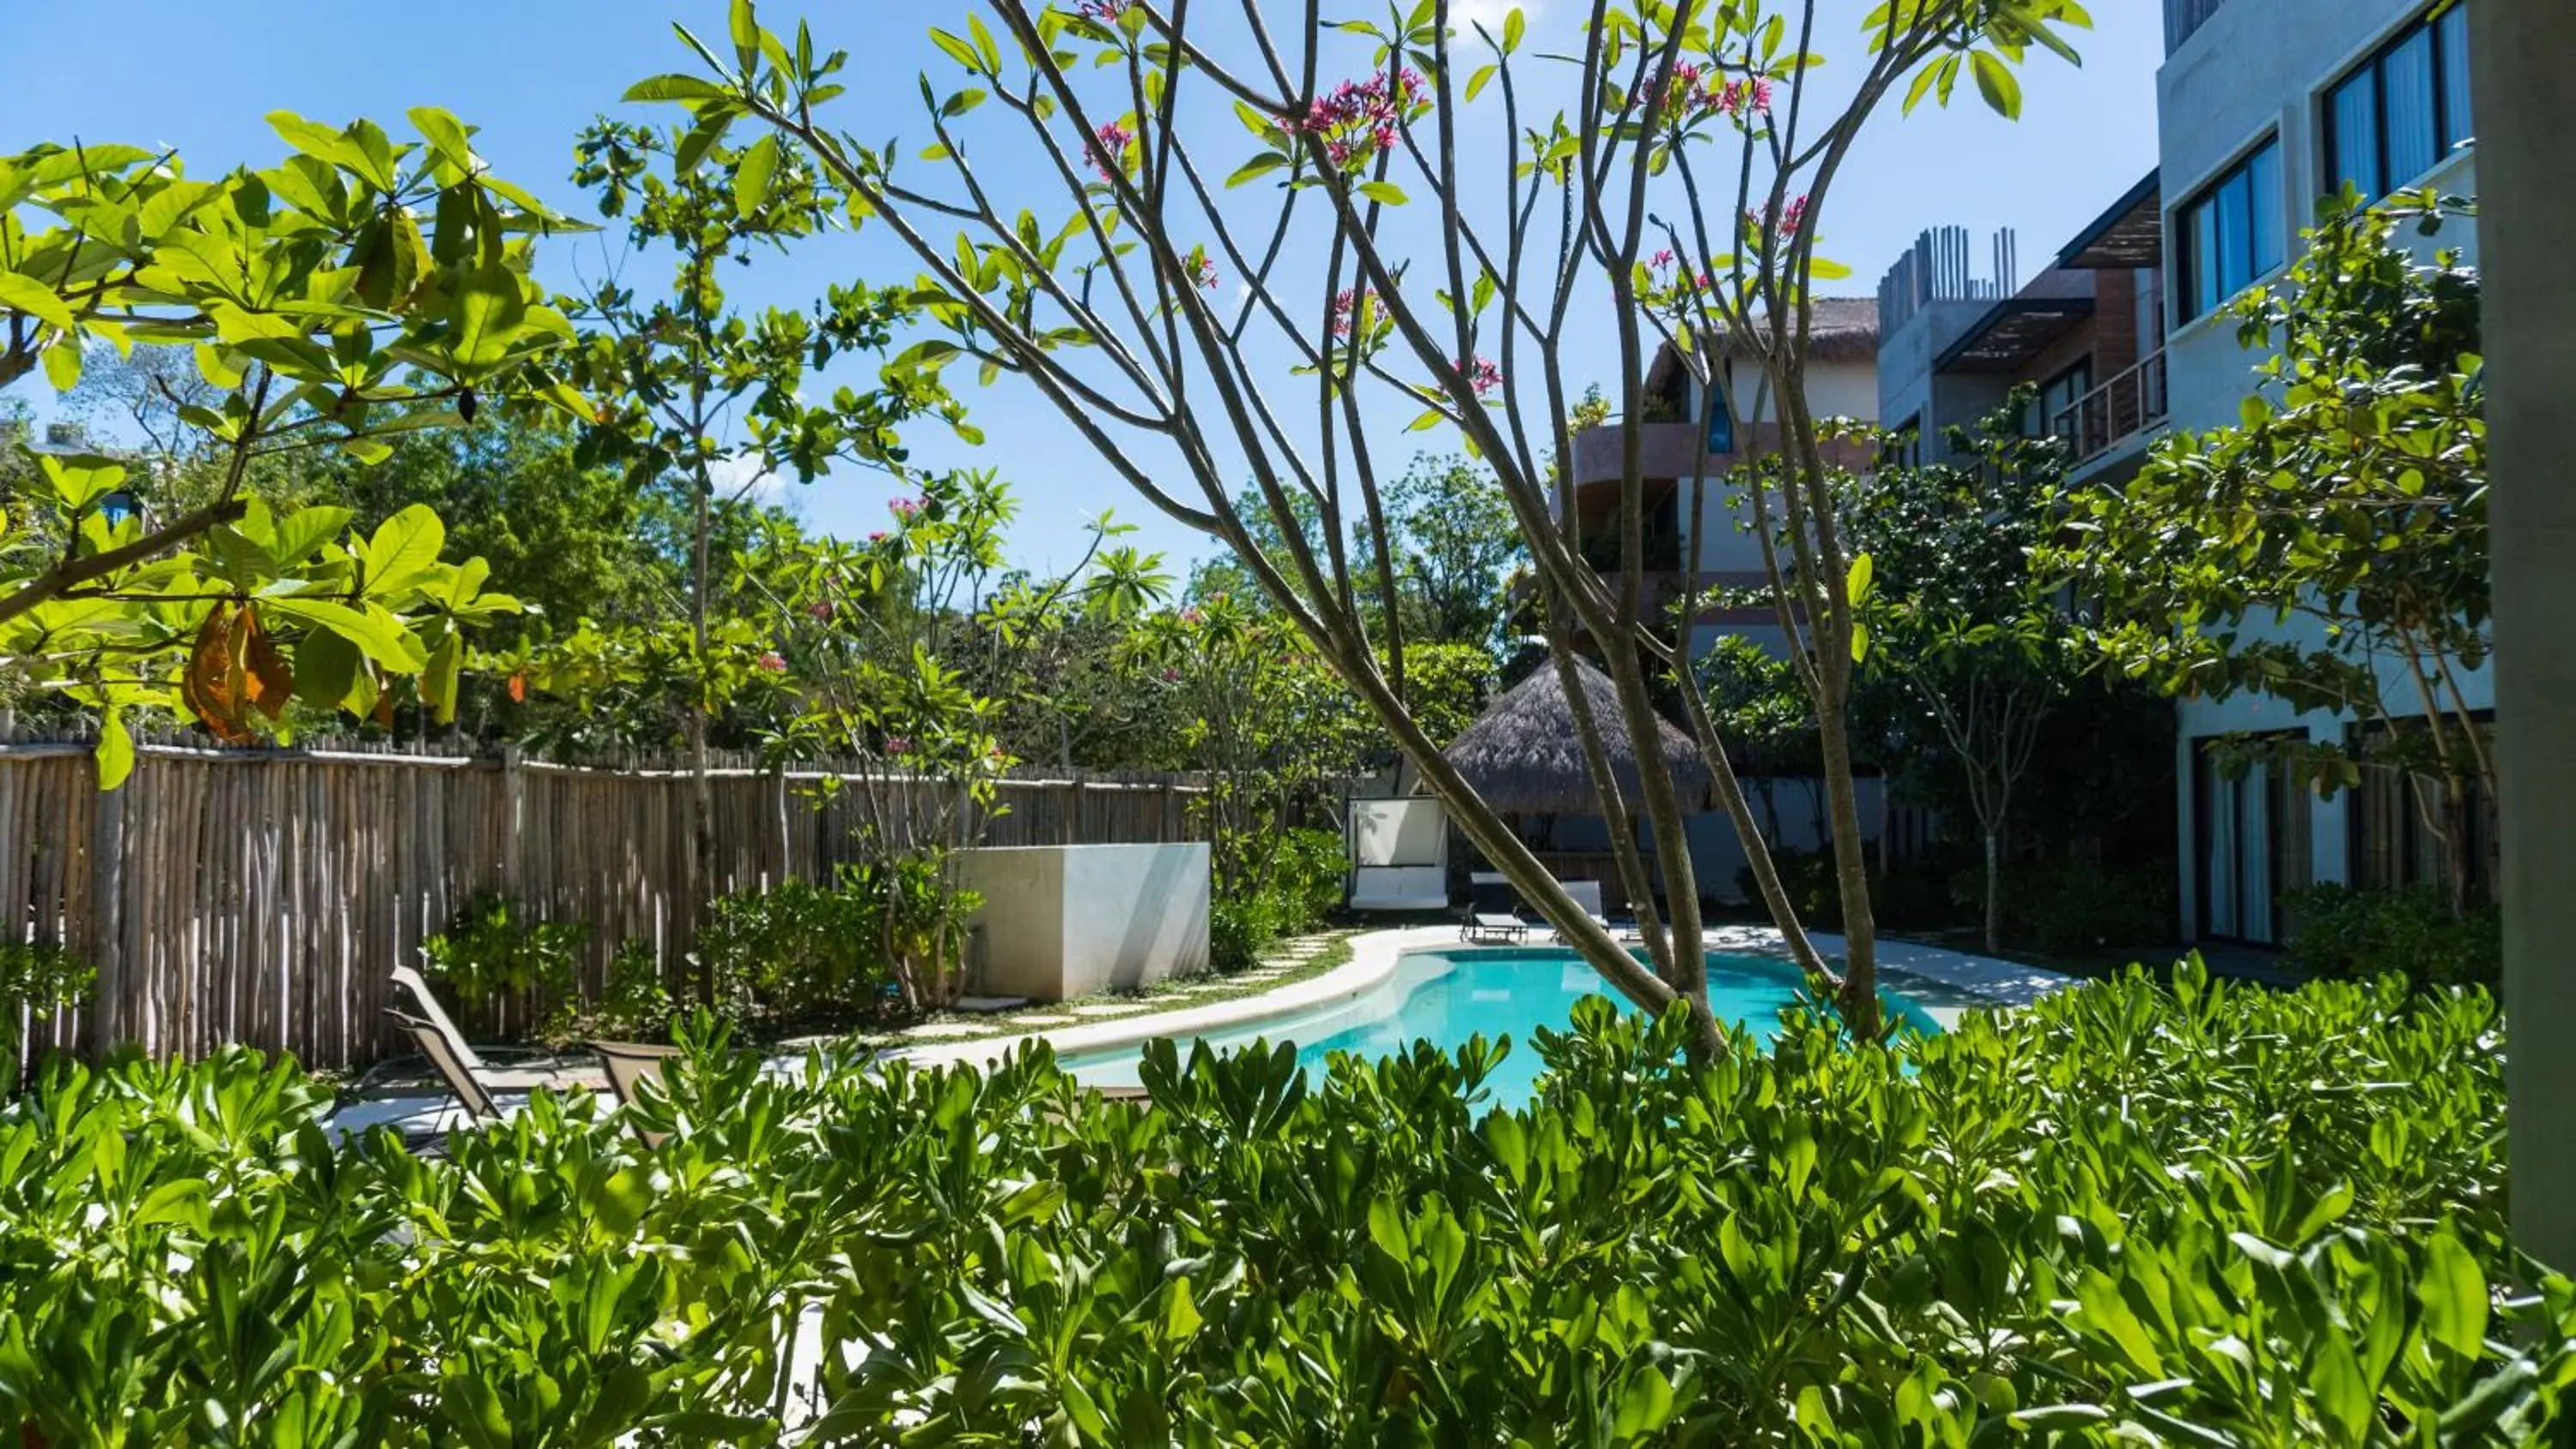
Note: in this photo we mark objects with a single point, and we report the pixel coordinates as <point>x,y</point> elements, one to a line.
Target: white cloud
<point>1466,15</point>
<point>742,476</point>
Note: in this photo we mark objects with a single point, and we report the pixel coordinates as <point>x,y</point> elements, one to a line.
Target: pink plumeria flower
<point>1109,150</point>
<point>771,663</point>
<point>898,745</point>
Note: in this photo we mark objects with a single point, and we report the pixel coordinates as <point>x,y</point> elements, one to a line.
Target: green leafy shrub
<point>1240,928</point>
<point>1309,876</point>
<point>2126,1215</point>
<point>1807,877</point>
<point>797,951</point>
<point>2067,907</point>
<point>37,979</point>
<point>2342,931</point>
<point>494,951</point>
<point>634,1005</point>
<point>884,937</point>
<point>1307,870</point>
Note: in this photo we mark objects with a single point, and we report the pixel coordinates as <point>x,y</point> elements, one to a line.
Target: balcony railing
<point>2115,412</point>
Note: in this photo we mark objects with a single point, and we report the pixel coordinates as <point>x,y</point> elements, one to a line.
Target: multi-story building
<point>2086,335</point>
<point>2263,107</point>
<point>1692,497</point>
<point>1690,494</point>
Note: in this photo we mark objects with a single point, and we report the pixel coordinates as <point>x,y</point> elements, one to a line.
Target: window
<point>2060,393</point>
<point>1905,444</point>
<point>2394,844</point>
<point>2401,111</point>
<point>2230,234</point>
<point>2255,846</point>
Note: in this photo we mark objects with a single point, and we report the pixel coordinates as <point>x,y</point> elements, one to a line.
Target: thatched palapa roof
<point>1523,757</point>
<point>1839,329</point>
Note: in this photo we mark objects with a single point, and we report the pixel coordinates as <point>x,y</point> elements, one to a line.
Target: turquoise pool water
<point>1447,997</point>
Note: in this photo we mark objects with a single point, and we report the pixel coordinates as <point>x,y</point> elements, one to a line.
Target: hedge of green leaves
<point>2196,1216</point>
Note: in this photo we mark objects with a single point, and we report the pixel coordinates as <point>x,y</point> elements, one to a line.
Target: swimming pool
<point>1449,996</point>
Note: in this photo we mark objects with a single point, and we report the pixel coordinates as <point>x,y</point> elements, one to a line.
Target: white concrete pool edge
<point>1373,959</point>
<point>1374,954</point>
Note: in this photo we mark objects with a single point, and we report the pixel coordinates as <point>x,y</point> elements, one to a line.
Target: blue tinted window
<point>2263,181</point>
<point>2231,235</point>
<point>2202,260</point>
<point>2354,119</point>
<point>2235,234</point>
<point>2401,111</point>
<point>2454,37</point>
<point>2410,120</point>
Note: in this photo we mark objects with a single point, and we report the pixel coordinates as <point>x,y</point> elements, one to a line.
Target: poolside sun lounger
<point>630,1065</point>
<point>1486,927</point>
<point>464,1088</point>
<point>425,1008</point>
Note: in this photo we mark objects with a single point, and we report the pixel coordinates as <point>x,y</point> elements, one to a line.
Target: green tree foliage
<point>1984,647</point>
<point>2330,550</point>
<point>1454,544</point>
<point>361,289</point>
<point>2213,1215</point>
<point>1102,288</point>
<point>714,398</point>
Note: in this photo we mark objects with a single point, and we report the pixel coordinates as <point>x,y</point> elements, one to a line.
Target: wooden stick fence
<point>260,896</point>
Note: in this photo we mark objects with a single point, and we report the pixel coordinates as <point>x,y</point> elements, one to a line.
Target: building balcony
<point>2113,417</point>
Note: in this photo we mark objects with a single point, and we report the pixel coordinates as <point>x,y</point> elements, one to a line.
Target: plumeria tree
<point>362,288</point>
<point>1343,244</point>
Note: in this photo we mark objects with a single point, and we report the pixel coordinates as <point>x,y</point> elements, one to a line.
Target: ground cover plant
<point>2193,1215</point>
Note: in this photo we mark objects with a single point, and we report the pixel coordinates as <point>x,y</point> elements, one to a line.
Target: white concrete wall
<point>1061,921</point>
<point>1834,390</point>
<point>1909,389</point>
<point>2260,68</point>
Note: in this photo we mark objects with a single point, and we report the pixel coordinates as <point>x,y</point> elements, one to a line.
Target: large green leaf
<point>403,551</point>
<point>22,293</point>
<point>491,310</point>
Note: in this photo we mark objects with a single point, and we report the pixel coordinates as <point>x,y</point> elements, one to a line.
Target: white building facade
<point>2264,106</point>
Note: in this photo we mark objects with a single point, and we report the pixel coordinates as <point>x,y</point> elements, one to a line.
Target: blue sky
<point>199,76</point>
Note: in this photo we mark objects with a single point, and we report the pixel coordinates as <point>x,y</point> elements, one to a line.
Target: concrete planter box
<point>1061,921</point>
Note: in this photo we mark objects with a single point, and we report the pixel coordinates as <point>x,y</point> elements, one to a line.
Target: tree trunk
<point>1851,869</point>
<point>2455,832</point>
<point>702,804</point>
<point>1994,891</point>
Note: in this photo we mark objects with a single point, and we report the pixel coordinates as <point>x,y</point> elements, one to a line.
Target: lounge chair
<point>630,1064</point>
<point>463,1087</point>
<point>427,1009</point>
<point>1493,913</point>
